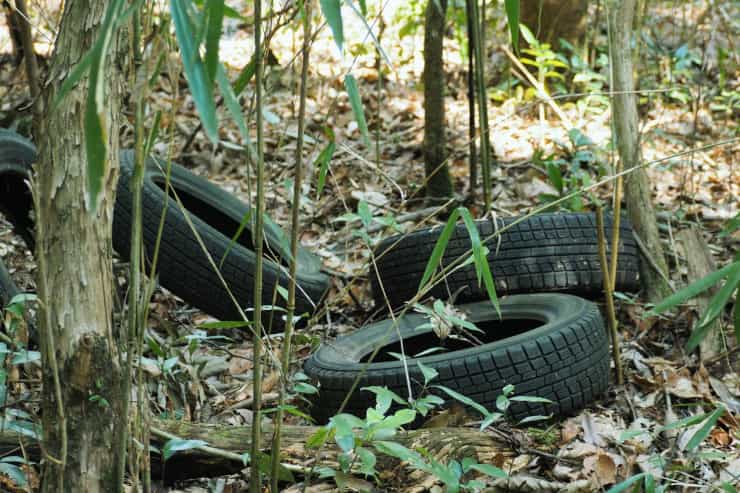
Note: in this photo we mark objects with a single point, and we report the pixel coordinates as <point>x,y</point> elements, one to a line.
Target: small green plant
<point>362,439</point>
<point>571,171</point>
<point>547,63</point>
<point>647,480</point>
<point>587,79</point>
<point>15,312</point>
<point>730,274</point>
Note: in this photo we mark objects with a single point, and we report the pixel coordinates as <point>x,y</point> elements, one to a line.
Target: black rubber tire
<point>543,253</point>
<point>184,268</point>
<point>566,359</point>
<point>8,289</point>
<point>17,154</point>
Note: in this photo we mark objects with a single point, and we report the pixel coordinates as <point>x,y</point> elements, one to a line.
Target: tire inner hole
<point>218,220</point>
<point>492,331</point>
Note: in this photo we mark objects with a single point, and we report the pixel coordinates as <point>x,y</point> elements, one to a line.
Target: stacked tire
<point>546,342</point>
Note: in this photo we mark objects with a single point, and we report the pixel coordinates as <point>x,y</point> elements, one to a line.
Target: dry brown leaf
<point>680,384</point>
<point>601,467</point>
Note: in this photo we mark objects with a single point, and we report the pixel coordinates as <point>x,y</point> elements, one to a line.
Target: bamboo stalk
<point>608,294</point>
<point>254,482</point>
<point>482,108</point>
<point>295,206</point>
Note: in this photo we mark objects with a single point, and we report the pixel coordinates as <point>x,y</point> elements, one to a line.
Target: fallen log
<point>226,443</point>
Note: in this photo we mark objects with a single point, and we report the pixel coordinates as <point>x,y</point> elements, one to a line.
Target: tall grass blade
<point>356,102</point>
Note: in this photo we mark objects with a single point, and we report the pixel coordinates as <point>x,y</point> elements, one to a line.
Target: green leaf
<point>489,420</point>
<point>245,76</point>
<point>153,133</point>
<point>399,451</point>
<point>439,248</point>
<point>627,483</point>
<point>528,37</point>
<point>233,106</point>
<point>363,210</point>
<point>332,10</point>
<point>398,419</point>
<point>683,423</point>
<point>428,372</point>
<point>195,73</point>
<point>96,137</point>
<point>15,473</point>
<point>482,268</point>
<point>530,398</point>
<point>319,438</point>
<point>370,33</point>
<point>25,356</point>
<point>356,102</point>
<point>465,400</point>
<point>236,324</point>
<point>489,470</point>
<point>384,396</point>
<point>322,162</point>
<point>706,428</point>
<point>512,16</point>
<point>242,225</point>
<point>716,305</point>
<point>215,12</point>
<point>736,316</point>
<point>693,289</point>
<point>179,445</point>
<point>556,177</point>
<point>72,79</point>
<point>363,7</point>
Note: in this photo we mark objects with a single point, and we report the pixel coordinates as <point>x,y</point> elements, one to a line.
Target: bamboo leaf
<point>482,269</point>
<point>512,16</point>
<point>736,315</point>
<point>195,73</point>
<point>556,177</point>
<point>245,76</point>
<point>323,164</point>
<point>693,289</point>
<point>705,429</point>
<point>178,445</point>
<point>439,248</point>
<point>370,32</point>
<point>215,12</point>
<point>96,137</point>
<point>617,488</point>
<point>332,10</point>
<point>153,133</point>
<point>232,103</point>
<point>716,305</point>
<point>356,102</point>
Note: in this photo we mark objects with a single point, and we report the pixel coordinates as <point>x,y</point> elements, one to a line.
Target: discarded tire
<point>16,156</point>
<point>547,345</point>
<point>543,253</point>
<point>184,268</point>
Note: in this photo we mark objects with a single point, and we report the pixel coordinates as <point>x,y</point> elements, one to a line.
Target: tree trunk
<point>550,20</point>
<point>700,263</point>
<point>637,189</point>
<point>438,182</point>
<point>81,373</point>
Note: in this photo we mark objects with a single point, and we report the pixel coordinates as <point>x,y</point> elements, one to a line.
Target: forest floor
<point>701,189</point>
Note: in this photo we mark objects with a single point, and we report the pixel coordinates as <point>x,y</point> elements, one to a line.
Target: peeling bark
<point>74,253</point>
